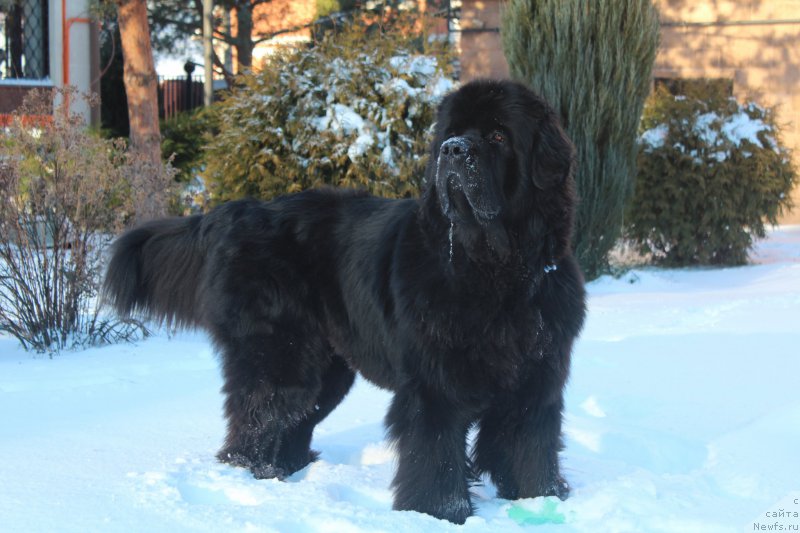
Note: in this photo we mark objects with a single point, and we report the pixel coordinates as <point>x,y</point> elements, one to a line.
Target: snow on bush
<point>353,111</point>
<point>711,173</point>
<point>721,132</point>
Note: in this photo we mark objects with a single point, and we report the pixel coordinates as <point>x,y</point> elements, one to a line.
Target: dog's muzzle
<point>458,180</point>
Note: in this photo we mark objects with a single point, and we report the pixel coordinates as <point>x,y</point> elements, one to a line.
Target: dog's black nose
<point>456,147</point>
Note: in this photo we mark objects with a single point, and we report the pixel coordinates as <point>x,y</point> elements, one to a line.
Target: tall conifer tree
<point>592,60</point>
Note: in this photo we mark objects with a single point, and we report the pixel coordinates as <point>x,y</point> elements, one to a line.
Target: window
<point>23,39</point>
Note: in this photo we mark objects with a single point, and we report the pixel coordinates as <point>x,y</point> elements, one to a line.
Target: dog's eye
<point>498,137</point>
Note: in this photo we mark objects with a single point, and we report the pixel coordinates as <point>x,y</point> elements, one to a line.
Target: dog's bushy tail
<point>154,272</point>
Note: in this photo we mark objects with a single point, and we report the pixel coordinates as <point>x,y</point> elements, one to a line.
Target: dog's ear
<point>553,154</point>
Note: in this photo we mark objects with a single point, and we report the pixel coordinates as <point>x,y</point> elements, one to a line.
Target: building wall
<point>481,52</point>
<point>755,43</point>
<point>278,16</point>
<point>81,62</point>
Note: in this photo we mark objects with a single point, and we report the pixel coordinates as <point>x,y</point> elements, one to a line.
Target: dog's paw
<point>560,489</point>
<point>234,459</point>
<point>259,470</point>
<point>268,471</point>
<point>455,510</point>
<point>285,467</point>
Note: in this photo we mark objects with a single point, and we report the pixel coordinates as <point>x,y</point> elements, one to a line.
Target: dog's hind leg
<point>296,440</point>
<point>279,383</point>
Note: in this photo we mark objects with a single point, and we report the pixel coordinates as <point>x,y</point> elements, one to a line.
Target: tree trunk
<point>141,87</point>
<point>244,39</point>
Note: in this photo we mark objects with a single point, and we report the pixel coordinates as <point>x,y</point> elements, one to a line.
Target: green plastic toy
<point>547,513</point>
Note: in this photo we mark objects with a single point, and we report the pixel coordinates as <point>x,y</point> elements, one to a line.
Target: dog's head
<point>497,147</point>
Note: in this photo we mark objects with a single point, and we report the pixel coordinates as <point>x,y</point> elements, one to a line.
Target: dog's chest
<point>483,343</point>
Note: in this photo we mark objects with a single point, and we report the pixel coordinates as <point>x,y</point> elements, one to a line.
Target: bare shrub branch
<point>65,194</point>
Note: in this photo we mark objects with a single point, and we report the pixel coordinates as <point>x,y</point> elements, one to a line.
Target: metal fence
<point>179,94</point>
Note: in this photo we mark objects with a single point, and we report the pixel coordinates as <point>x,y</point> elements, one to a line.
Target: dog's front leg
<point>433,471</point>
<point>519,436</point>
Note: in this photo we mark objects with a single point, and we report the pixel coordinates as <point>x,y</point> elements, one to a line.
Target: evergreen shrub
<point>183,138</point>
<point>712,172</point>
<point>355,111</point>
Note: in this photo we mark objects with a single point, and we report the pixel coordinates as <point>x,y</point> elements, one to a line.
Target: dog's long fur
<point>465,303</point>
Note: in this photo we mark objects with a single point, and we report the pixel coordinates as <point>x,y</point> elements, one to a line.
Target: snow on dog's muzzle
<point>462,189</point>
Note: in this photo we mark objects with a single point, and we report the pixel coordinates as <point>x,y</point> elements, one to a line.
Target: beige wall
<point>755,43</point>
<point>757,46</point>
<point>481,50</point>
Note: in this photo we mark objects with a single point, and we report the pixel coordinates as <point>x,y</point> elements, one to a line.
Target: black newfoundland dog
<point>464,303</point>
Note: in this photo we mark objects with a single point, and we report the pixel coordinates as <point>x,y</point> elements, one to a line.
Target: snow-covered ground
<point>683,414</point>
